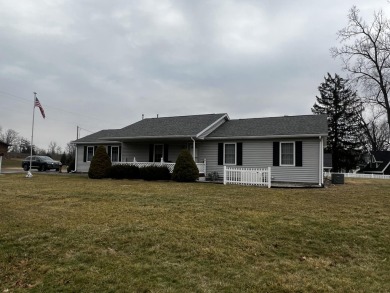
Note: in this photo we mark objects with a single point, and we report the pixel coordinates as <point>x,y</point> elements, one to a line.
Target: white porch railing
<point>170,166</point>
<point>247,176</point>
<point>359,175</point>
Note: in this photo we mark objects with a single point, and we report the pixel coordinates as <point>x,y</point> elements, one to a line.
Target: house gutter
<point>121,139</point>
<point>266,136</point>
<point>75,160</point>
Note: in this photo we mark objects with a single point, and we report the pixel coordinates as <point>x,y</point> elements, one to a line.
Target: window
<point>230,153</point>
<point>115,154</point>
<point>90,153</point>
<point>158,152</point>
<point>287,150</point>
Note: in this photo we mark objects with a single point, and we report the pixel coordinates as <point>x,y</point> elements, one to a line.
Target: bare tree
<point>365,53</point>
<point>10,136</point>
<point>52,148</point>
<point>376,134</point>
<point>70,149</point>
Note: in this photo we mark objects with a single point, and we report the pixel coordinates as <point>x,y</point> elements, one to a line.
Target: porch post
<point>269,177</point>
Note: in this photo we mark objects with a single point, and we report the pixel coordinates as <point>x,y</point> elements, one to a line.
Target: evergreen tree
<point>100,164</point>
<point>343,109</point>
<point>185,168</point>
<point>63,159</point>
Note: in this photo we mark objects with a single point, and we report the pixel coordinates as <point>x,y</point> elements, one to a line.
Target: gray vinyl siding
<point>259,153</point>
<point>82,166</point>
<point>140,151</point>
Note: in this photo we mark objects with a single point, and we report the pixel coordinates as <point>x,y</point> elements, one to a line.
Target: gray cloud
<point>101,64</point>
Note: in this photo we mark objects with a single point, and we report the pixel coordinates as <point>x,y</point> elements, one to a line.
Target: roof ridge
<point>284,116</point>
<point>181,116</point>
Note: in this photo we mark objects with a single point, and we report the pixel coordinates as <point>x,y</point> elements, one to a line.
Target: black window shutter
<point>276,154</point>
<point>120,154</point>
<point>109,151</point>
<point>85,154</point>
<point>298,153</point>
<point>220,153</point>
<point>239,153</point>
<point>166,147</point>
<point>151,151</point>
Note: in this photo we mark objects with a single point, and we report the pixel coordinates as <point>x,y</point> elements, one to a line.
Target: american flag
<point>38,104</point>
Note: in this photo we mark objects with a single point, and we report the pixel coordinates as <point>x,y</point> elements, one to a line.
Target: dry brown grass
<point>70,233</point>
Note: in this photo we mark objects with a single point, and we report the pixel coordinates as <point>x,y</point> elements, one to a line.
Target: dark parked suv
<point>42,163</point>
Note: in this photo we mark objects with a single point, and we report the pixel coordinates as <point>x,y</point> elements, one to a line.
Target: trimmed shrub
<point>71,167</point>
<point>100,164</point>
<point>185,168</point>
<point>155,173</point>
<point>124,172</point>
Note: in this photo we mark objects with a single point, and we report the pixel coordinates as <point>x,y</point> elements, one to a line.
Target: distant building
<point>3,148</point>
<point>377,163</point>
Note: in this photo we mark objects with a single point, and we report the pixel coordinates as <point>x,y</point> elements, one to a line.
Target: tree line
<point>21,145</point>
<point>357,107</point>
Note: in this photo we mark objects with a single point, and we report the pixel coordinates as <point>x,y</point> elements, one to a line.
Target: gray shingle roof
<point>94,137</point>
<point>179,126</point>
<point>275,126</point>
<point>190,126</point>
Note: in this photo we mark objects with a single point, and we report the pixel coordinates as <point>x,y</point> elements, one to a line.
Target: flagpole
<point>32,131</point>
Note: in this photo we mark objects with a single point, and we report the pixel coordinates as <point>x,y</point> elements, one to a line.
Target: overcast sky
<point>102,64</point>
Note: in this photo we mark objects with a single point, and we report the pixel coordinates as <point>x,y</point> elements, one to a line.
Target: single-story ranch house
<point>293,146</point>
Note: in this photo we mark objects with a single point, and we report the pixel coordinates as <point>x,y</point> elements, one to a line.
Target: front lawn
<point>72,234</point>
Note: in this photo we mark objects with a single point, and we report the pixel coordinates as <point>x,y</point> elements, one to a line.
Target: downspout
<point>193,148</point>
<point>321,162</point>
<point>75,160</point>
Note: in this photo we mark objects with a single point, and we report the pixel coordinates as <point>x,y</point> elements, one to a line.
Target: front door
<point>158,152</point>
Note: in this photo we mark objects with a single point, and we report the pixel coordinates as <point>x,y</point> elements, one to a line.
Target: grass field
<point>11,163</point>
<point>72,234</point>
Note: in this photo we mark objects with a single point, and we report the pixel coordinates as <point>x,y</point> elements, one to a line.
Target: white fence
<point>170,166</point>
<point>247,176</point>
<point>359,175</point>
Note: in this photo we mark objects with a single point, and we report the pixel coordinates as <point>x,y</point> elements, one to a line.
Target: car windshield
<point>46,159</point>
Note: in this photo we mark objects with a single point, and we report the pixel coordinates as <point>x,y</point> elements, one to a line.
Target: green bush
<point>124,172</point>
<point>71,166</point>
<point>185,168</point>
<point>155,173</point>
<point>100,164</point>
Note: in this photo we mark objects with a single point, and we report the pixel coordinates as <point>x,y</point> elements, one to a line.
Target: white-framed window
<point>115,154</point>
<point>287,153</point>
<point>158,152</point>
<point>230,154</point>
<point>90,153</point>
